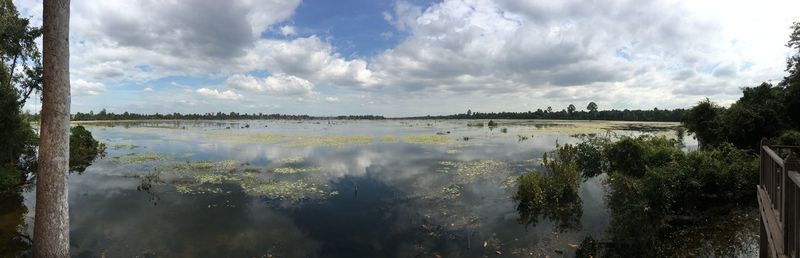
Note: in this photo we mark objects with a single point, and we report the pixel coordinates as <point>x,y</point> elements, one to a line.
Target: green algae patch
<point>389,139</point>
<point>292,170</point>
<point>141,157</point>
<point>454,151</point>
<point>429,139</point>
<point>336,141</point>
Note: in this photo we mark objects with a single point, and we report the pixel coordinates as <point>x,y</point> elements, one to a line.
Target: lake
<point>327,188</point>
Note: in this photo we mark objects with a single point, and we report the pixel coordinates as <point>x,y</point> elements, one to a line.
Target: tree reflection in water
<point>13,242</point>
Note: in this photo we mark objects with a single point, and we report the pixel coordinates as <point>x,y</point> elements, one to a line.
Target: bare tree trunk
<point>51,221</point>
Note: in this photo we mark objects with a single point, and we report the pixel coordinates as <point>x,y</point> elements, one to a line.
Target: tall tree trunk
<point>51,221</point>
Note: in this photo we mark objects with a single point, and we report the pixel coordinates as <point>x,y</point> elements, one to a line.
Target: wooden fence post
<point>790,205</point>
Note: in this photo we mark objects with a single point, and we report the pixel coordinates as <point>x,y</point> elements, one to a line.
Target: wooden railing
<point>779,201</point>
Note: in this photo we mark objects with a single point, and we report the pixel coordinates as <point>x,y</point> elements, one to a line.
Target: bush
<point>83,149</point>
<point>632,156</point>
<point>554,194</point>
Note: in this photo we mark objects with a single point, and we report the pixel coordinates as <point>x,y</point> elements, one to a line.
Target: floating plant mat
<point>429,139</point>
<point>389,139</point>
<point>124,146</point>
<point>591,127</point>
<point>447,203</point>
<point>141,157</point>
<point>208,177</point>
<point>292,140</point>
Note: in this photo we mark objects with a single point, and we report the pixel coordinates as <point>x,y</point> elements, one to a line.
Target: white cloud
<point>148,89</point>
<point>454,54</point>
<point>309,58</point>
<point>81,87</point>
<point>276,84</point>
<point>287,30</point>
<point>331,99</point>
<point>217,94</point>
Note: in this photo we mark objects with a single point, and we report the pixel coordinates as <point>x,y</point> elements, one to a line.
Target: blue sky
<point>399,57</point>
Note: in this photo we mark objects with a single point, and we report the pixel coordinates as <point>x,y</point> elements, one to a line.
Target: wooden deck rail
<point>779,203</point>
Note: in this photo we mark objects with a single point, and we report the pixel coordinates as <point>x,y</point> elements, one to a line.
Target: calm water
<point>320,189</point>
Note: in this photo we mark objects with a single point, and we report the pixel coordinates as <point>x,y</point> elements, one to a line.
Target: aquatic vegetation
<point>292,170</point>
<point>291,160</point>
<point>553,194</point>
<point>428,139</point>
<point>206,165</point>
<point>141,157</point>
<point>452,191</point>
<point>149,180</point>
<point>124,146</point>
<point>504,130</point>
<point>199,177</point>
<point>184,155</point>
<point>389,139</point>
<point>285,190</point>
<point>475,124</point>
<point>331,141</point>
<point>250,137</point>
<point>214,178</point>
<point>454,151</point>
<point>469,171</point>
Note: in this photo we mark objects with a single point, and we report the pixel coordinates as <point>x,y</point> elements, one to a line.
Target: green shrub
<point>83,149</point>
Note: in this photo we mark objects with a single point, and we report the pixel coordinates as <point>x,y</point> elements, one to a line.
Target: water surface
<point>399,188</point>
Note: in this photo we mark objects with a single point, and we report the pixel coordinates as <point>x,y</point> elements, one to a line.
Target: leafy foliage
<point>17,141</point>
<point>763,111</point>
<point>553,195</point>
<point>83,149</point>
<point>21,67</point>
<point>658,191</point>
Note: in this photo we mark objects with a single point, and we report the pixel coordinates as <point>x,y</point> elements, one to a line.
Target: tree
<point>791,83</point>
<point>469,112</point>
<point>570,109</point>
<point>549,109</point>
<point>703,121</point>
<point>592,107</point>
<point>51,222</point>
<point>18,50</point>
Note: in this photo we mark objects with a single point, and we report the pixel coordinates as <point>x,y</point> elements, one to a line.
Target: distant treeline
<point>662,115</point>
<point>103,115</point>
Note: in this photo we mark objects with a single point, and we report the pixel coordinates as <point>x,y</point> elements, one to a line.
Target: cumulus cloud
<point>311,58</point>
<point>331,99</point>
<point>277,84</point>
<point>218,94</point>
<point>450,54</point>
<point>144,39</point>
<point>81,87</point>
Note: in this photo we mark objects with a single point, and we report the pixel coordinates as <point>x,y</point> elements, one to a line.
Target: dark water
<point>376,194</point>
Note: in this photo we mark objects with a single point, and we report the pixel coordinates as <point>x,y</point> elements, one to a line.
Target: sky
<point>417,57</point>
